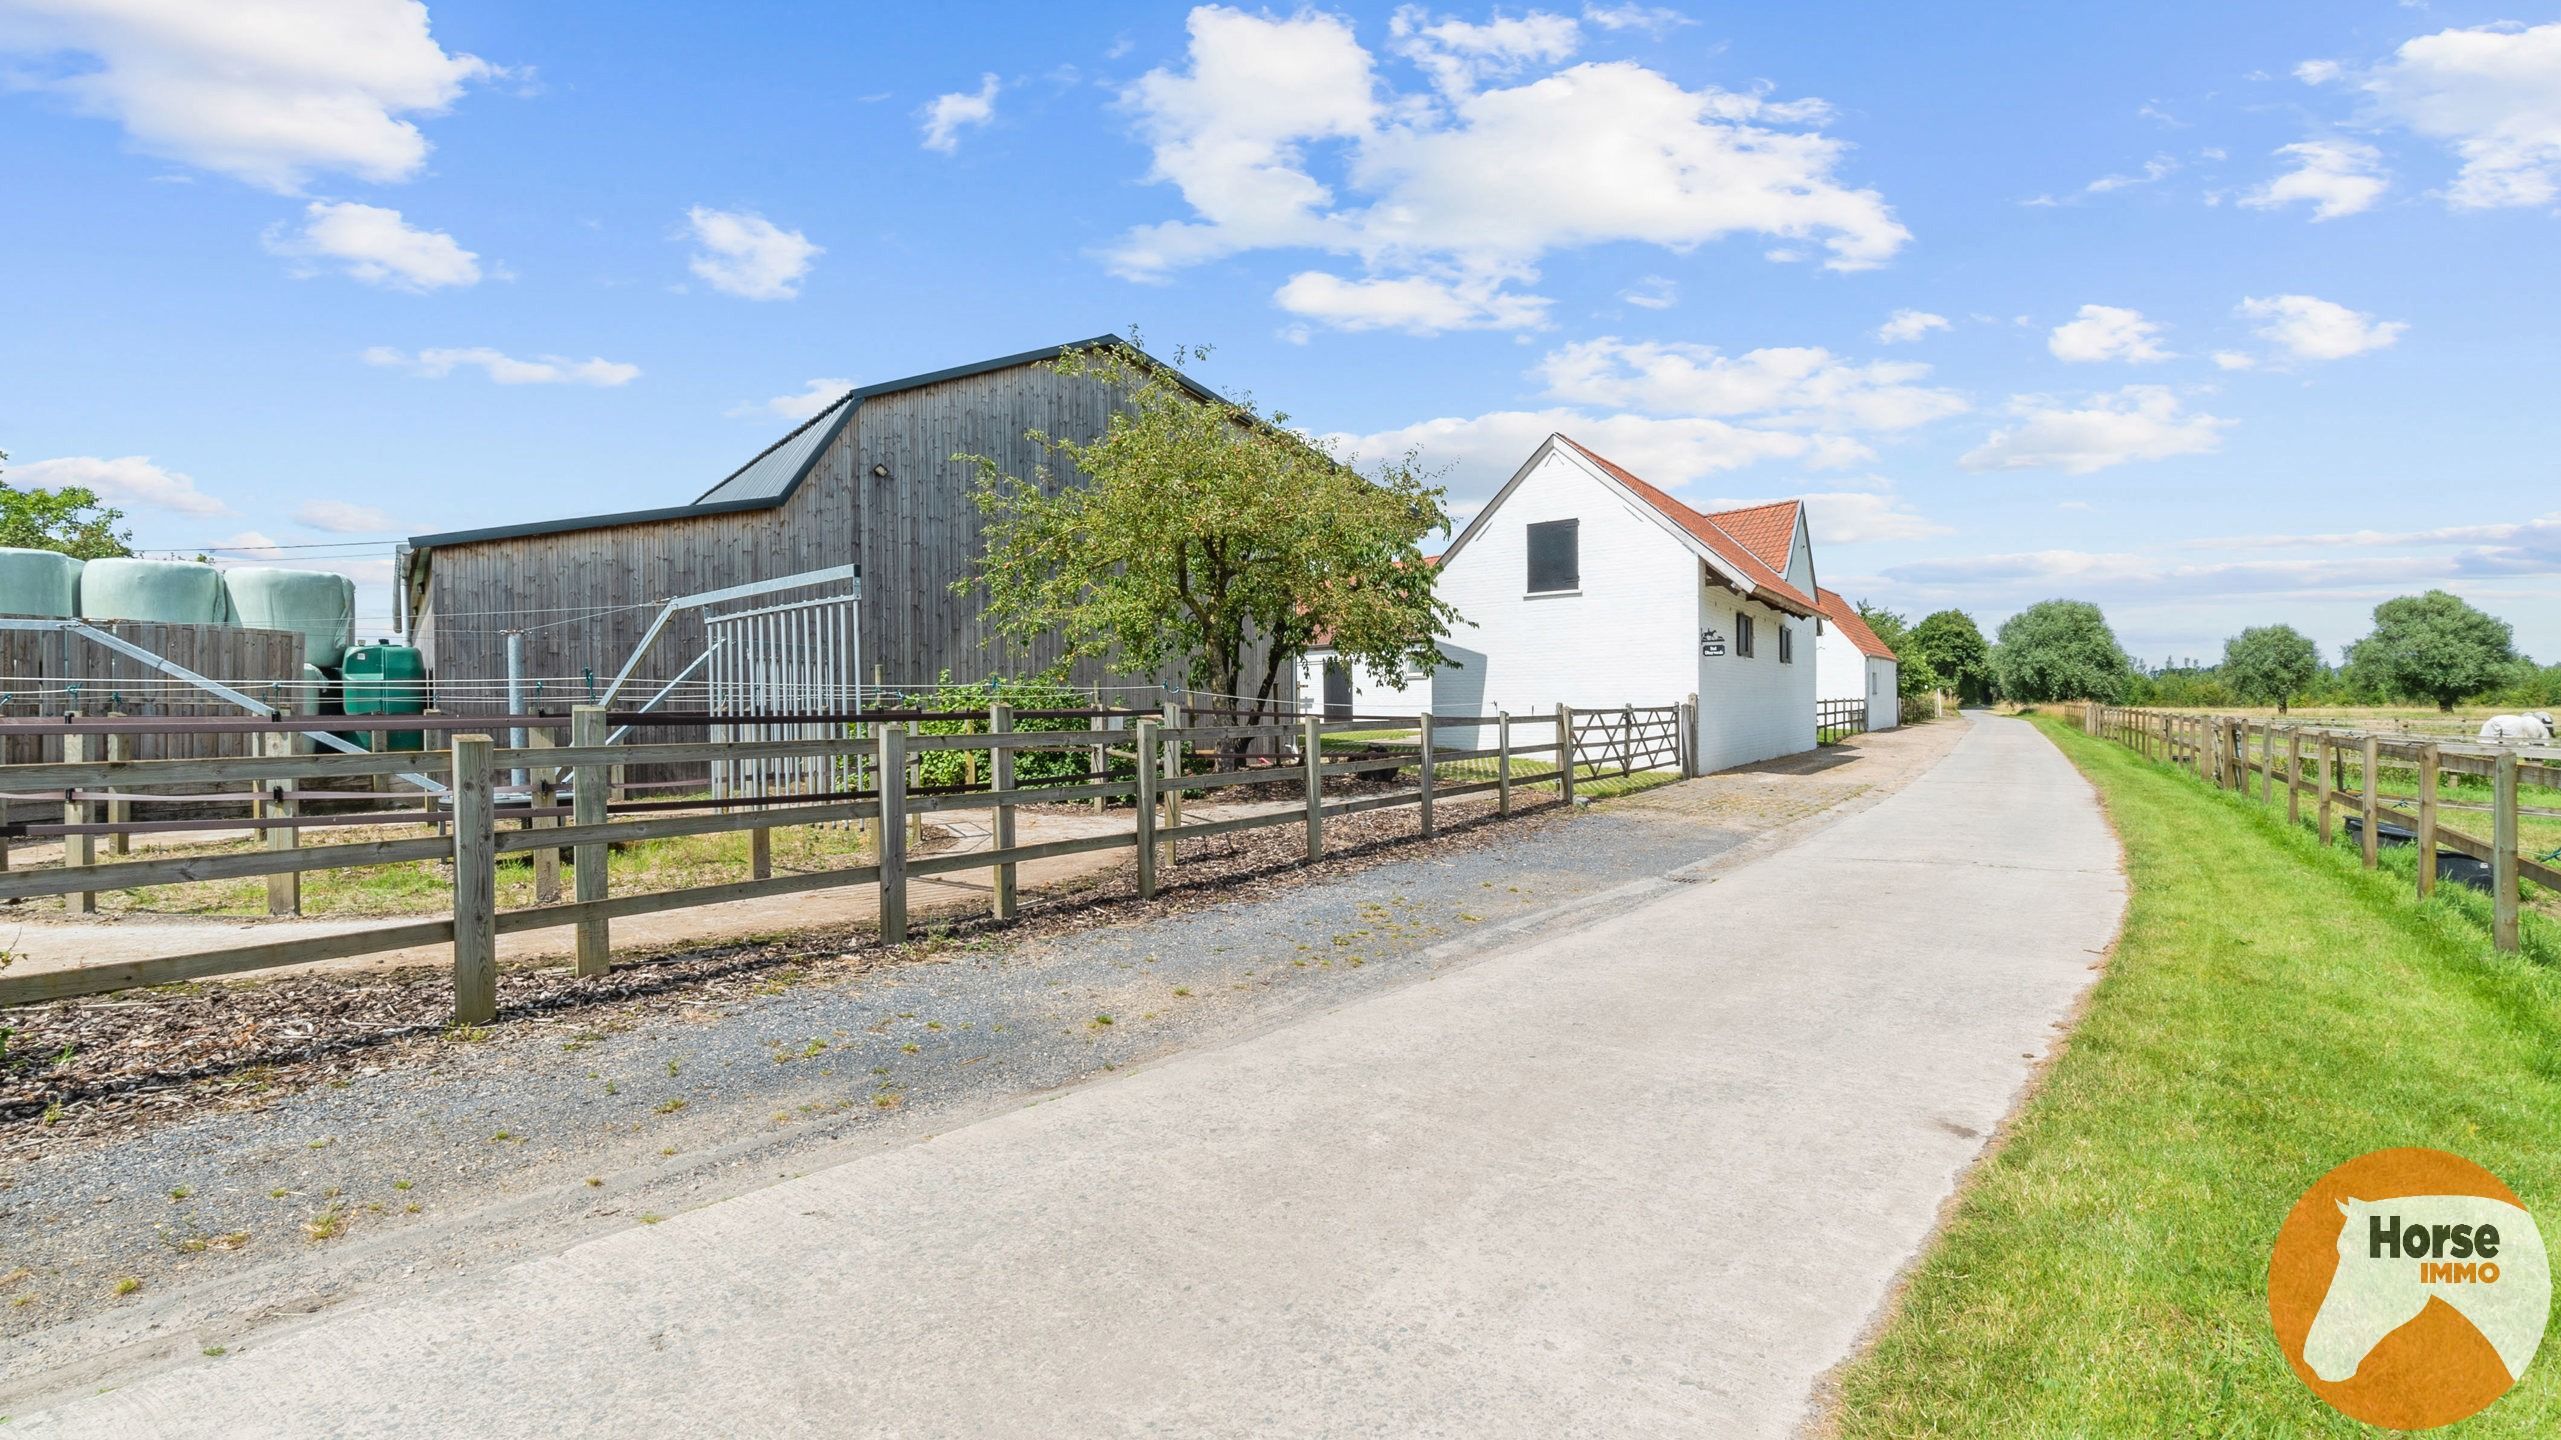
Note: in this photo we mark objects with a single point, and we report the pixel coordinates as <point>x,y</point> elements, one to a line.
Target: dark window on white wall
<point>1742,634</point>
<point>1786,644</point>
<point>1555,556</point>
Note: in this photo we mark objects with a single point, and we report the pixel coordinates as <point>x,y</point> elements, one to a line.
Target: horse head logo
<point>2481,1256</point>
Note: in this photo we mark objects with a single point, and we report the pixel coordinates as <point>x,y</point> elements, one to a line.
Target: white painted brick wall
<point>1756,708</point>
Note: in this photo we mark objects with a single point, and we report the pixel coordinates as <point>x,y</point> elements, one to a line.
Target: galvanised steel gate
<point>803,657</point>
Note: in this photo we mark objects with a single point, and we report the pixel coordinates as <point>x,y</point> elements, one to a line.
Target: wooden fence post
<point>475,884</point>
<point>77,850</point>
<point>1313,753</point>
<point>544,794</point>
<point>2503,852</point>
<point>2369,804</point>
<point>1423,754</point>
<point>2427,819</point>
<point>1565,754</point>
<point>1503,763</point>
<point>893,834</point>
<point>2293,777</point>
<point>1000,776</point>
<point>588,806</point>
<point>119,812</point>
<point>2267,764</point>
<point>2321,769</point>
<point>1147,744</point>
<point>284,892</point>
<point>1688,739</point>
<point>1102,753</point>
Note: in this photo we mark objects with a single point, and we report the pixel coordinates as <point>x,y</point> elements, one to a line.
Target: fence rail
<point>2237,753</point>
<point>1838,720</point>
<point>567,801</point>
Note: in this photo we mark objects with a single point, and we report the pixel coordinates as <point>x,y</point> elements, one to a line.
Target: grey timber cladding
<point>583,595</point>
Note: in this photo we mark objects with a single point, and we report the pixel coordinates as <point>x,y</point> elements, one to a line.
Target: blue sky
<point>2218,315</point>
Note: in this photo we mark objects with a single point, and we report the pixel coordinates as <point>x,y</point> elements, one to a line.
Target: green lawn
<point>2271,1011</point>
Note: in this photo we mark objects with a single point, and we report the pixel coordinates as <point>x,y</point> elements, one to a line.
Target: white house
<point>1851,663</point>
<point>1580,584</point>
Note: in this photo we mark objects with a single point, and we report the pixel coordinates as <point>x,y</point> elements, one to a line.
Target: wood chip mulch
<point>78,1072</point>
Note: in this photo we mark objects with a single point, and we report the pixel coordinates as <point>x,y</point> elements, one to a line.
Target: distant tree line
<point>2433,648</point>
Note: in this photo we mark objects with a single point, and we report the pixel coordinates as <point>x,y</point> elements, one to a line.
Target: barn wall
<point>584,597</point>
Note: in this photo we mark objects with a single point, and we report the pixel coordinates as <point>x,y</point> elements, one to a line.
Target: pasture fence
<point>2311,764</point>
<point>1836,720</point>
<point>557,795</point>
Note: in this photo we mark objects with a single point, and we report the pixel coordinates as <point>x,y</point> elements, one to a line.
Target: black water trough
<point>2452,868</point>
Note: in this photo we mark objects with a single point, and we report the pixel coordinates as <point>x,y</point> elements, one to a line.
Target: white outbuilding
<point>1581,584</point>
<point>1851,663</point>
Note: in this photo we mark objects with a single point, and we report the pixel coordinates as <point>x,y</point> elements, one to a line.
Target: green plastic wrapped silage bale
<point>171,592</point>
<point>315,604</point>
<point>43,583</point>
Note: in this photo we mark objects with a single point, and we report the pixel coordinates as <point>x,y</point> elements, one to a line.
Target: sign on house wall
<point>1711,643</point>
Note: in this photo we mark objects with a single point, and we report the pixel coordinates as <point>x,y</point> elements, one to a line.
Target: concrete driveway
<point>1652,1177</point>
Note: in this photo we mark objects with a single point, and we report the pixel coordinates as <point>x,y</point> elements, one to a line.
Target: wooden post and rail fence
<point>480,818</point>
<point>2257,757</point>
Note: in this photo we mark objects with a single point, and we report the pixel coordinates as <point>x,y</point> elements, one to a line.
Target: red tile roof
<point>1844,614</point>
<point>1770,530</point>
<point>1767,581</point>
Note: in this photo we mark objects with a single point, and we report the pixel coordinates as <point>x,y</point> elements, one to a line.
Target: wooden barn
<point>869,481</point>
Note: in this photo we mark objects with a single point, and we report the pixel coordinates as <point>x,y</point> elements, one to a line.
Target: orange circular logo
<point>2409,1288</point>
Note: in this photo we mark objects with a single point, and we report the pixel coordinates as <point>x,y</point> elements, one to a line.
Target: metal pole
<point>516,695</point>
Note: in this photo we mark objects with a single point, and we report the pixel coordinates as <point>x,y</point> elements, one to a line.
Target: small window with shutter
<point>1742,634</point>
<point>1786,644</point>
<point>1555,556</point>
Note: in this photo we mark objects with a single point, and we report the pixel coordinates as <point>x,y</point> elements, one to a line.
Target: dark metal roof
<point>769,479</point>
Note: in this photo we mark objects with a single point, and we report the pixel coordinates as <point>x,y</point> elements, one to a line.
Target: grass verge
<point>2271,1010</point>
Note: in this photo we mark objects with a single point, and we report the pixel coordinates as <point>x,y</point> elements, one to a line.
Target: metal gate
<point>799,658</point>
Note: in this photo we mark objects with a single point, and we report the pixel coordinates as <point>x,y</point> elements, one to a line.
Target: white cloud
<point>1791,387</point>
<point>272,92</point>
<point>2314,329</point>
<point>2338,177</point>
<point>2235,360</point>
<point>2159,167</point>
<point>127,480</point>
<point>1478,183</point>
<point>1459,56</point>
<point>1907,325</point>
<point>2494,95</point>
<point>340,517</point>
<point>1652,20</point>
<point>1416,304</point>
<point>948,114</point>
<point>2138,422</point>
<point>2317,72</point>
<point>817,395</point>
<point>376,246</point>
<point>506,369</point>
<point>747,255</point>
<point>1482,451</point>
<point>1653,292</point>
<point>2107,332</point>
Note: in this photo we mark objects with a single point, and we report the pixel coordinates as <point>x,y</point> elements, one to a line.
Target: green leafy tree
<point>1914,676</point>
<point>2272,664</point>
<point>2434,647</point>
<point>70,519</point>
<point>1204,530</point>
<point>1953,645</point>
<point>2061,650</point>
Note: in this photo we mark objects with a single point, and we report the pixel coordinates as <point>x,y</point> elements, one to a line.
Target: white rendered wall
<point>1756,708</point>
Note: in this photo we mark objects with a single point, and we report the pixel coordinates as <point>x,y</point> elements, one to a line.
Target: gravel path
<point>564,1125</point>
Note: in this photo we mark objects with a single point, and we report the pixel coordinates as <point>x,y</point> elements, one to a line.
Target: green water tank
<point>385,679</point>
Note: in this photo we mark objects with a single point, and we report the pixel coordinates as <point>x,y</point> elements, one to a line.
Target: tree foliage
<point>2271,664</point>
<point>2061,650</point>
<point>2434,647</point>
<point>1914,675</point>
<point>1203,528</point>
<point>71,520</point>
<point>1953,645</point>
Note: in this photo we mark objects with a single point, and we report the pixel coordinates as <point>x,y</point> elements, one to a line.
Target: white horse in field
<point>2374,1294</point>
<point>2532,728</point>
